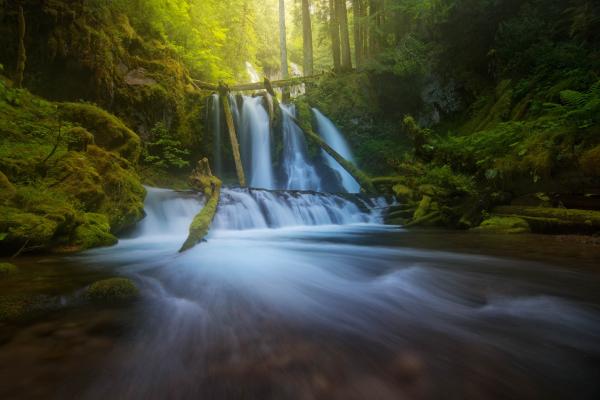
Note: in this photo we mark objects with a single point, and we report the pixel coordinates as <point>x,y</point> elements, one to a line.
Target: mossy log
<point>554,220</point>
<point>259,85</point>
<point>211,187</point>
<point>235,146</point>
<point>363,180</point>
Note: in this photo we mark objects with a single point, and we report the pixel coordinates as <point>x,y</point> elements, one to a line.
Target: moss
<point>201,222</point>
<point>554,220</point>
<point>24,228</point>
<point>112,291</point>
<point>109,131</point>
<point>590,161</point>
<point>403,193</point>
<point>79,139</point>
<point>93,232</point>
<point>22,307</point>
<point>497,224</point>
<point>7,269</point>
<point>7,189</point>
<point>424,208</point>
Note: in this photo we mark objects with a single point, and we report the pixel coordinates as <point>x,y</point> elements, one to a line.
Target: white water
<point>215,120</point>
<point>256,143</point>
<point>252,72</point>
<point>299,172</point>
<point>335,139</point>
<point>256,307</point>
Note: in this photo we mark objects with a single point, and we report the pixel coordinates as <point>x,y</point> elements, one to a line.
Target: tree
<point>307,39</point>
<point>21,55</point>
<point>342,12</point>
<point>359,31</point>
<point>334,30</point>
<point>282,43</point>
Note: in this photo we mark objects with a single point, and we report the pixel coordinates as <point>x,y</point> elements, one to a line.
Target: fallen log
<point>363,180</point>
<point>259,85</point>
<point>235,146</point>
<point>210,185</point>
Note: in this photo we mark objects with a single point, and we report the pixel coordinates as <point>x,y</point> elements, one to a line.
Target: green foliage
<point>164,151</point>
<point>7,269</point>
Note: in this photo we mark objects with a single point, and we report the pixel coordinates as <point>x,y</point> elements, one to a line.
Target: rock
<point>111,291</point>
<point>7,269</point>
<point>137,77</point>
<point>94,232</point>
<point>79,139</point>
<point>504,225</point>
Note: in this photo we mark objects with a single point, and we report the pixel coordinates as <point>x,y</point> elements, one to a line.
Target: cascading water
<point>215,121</point>
<point>336,140</point>
<point>299,172</point>
<point>252,72</point>
<point>256,143</point>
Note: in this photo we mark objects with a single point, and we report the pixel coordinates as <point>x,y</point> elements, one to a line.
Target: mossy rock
<point>498,224</point>
<point>554,220</point>
<point>109,131</point>
<point>94,232</point>
<point>79,138</point>
<point>22,228</point>
<point>22,307</point>
<point>7,269</point>
<point>112,291</point>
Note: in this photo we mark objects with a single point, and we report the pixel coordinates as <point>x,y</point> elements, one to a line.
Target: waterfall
<point>252,73</point>
<point>168,213</point>
<point>299,172</point>
<point>255,140</point>
<point>215,121</point>
<point>334,138</point>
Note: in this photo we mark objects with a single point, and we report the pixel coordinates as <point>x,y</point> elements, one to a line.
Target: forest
<point>299,199</point>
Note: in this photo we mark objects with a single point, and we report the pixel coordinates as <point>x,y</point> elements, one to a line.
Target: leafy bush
<point>164,151</point>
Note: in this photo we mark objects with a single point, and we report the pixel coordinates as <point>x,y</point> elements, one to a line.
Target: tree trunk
<point>21,54</point>
<point>346,59</point>
<point>358,45</point>
<point>334,30</point>
<point>374,25</point>
<point>283,47</point>
<point>307,39</point>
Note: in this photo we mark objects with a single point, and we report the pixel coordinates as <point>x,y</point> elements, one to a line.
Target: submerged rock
<point>112,290</point>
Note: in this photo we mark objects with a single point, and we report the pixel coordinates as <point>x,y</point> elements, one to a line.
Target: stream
<point>300,295</point>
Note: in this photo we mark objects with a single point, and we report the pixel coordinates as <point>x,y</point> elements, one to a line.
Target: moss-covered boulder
<point>22,307</point>
<point>497,224</point>
<point>109,131</point>
<point>7,269</point>
<point>112,291</point>
<point>79,138</point>
<point>93,232</point>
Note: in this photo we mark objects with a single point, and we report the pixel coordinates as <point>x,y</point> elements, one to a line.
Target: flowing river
<point>306,296</point>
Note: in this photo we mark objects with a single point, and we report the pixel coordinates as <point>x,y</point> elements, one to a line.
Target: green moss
<point>79,138</point>
<point>424,208</point>
<point>498,224</point>
<point>93,232</point>
<point>7,189</point>
<point>554,220</point>
<point>111,291</point>
<point>21,306</point>
<point>403,193</point>
<point>109,132</point>
<point>24,228</point>
<point>201,222</point>
<point>7,269</point>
